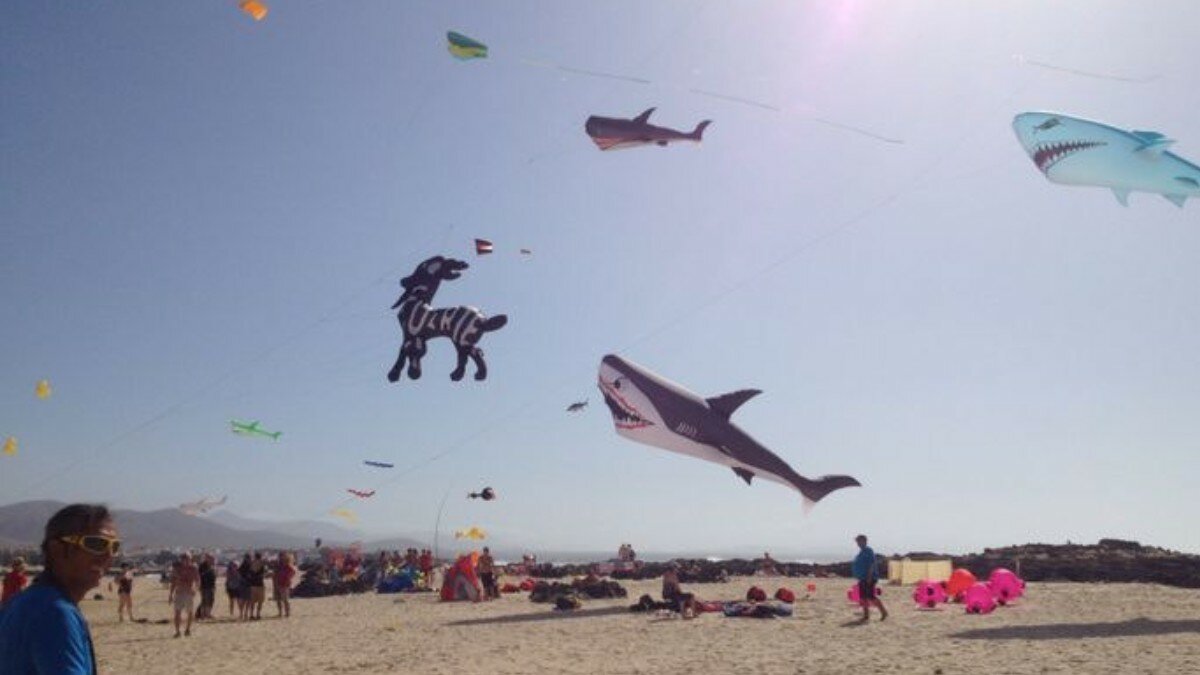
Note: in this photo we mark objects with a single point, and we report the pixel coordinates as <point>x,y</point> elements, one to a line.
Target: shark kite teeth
<point>1049,154</point>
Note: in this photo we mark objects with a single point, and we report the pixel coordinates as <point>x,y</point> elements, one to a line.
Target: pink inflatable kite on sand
<point>1005,585</point>
<point>960,580</point>
<point>929,593</point>
<point>979,600</point>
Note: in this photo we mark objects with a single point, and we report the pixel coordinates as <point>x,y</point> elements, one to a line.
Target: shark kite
<point>201,506</point>
<point>361,494</point>
<point>609,133</point>
<point>577,406</point>
<point>1074,151</point>
<point>252,429</point>
<point>487,494</point>
<point>379,465</point>
<point>650,409</point>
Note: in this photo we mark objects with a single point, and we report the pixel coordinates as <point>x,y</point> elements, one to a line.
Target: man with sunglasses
<point>42,629</point>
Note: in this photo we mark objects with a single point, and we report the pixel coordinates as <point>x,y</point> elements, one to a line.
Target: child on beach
<point>124,581</point>
<point>15,580</point>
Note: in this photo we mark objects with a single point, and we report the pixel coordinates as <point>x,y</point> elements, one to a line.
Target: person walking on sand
<point>183,592</point>
<point>258,585</point>
<point>426,561</point>
<point>124,581</point>
<point>208,586</point>
<point>42,630</point>
<point>866,570</point>
<point>285,571</point>
<point>244,593</point>
<point>14,581</point>
<point>233,585</point>
<point>487,574</point>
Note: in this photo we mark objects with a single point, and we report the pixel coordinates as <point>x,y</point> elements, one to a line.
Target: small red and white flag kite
<point>361,494</point>
<point>482,247</point>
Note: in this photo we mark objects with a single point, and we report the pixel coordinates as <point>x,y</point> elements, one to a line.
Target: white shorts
<point>184,602</point>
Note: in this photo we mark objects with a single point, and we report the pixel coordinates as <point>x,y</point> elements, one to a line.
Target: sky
<point>204,218</point>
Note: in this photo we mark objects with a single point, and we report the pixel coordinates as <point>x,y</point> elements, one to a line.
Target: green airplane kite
<point>252,429</point>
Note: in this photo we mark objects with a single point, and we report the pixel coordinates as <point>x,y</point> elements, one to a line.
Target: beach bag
<point>567,603</point>
<point>785,595</point>
<point>756,594</point>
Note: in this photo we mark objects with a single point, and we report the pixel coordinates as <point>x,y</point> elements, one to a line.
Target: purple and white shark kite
<point>610,133</point>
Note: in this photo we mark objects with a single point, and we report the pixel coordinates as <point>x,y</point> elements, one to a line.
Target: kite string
<point>1083,73</point>
<point>919,178</point>
<point>239,368</point>
<point>437,524</point>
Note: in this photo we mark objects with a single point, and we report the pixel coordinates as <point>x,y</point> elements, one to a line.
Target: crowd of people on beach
<point>42,629</point>
<point>245,587</point>
<point>418,564</point>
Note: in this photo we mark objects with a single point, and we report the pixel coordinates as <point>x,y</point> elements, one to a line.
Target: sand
<point>1057,628</point>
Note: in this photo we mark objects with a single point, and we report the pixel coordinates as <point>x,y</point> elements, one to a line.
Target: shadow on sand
<point>543,616</point>
<point>1073,631</point>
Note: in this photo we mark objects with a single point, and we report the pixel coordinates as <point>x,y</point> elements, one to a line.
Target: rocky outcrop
<point>1110,560</point>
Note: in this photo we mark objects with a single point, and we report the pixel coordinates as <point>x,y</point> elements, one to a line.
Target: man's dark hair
<point>72,520</point>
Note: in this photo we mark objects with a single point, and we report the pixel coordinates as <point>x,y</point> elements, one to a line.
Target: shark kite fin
<point>743,474</point>
<point>1188,181</point>
<point>644,117</point>
<point>1122,195</point>
<point>1152,142</point>
<point>725,404</point>
<point>1177,200</point>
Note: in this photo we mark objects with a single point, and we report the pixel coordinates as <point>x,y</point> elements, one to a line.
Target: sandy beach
<point>1056,628</point>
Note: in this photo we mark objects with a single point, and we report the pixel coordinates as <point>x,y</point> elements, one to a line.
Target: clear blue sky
<point>205,218</point>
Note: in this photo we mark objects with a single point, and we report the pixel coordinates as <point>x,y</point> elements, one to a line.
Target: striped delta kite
<point>464,48</point>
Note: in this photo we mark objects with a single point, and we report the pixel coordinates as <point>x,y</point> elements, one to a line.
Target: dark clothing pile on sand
<point>315,583</point>
<point>545,591</point>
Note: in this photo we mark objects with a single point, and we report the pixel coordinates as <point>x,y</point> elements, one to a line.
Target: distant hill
<point>22,524</point>
<point>305,529</point>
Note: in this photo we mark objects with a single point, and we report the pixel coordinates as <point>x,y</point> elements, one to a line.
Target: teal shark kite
<point>464,48</point>
<point>252,429</point>
<point>1074,151</point>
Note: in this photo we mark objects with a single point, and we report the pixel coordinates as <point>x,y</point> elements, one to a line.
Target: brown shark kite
<point>610,133</point>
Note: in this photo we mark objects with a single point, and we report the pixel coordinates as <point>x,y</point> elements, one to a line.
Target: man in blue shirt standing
<point>42,630</point>
<point>867,573</point>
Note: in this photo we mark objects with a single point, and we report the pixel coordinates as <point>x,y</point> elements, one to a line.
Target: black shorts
<point>680,600</point>
<point>866,590</point>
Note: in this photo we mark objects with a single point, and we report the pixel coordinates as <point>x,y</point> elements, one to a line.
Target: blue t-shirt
<point>864,564</point>
<point>42,631</point>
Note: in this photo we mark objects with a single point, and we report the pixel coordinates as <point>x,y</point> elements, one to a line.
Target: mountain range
<point>22,524</point>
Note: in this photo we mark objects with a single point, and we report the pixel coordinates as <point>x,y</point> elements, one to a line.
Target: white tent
<point>907,571</point>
